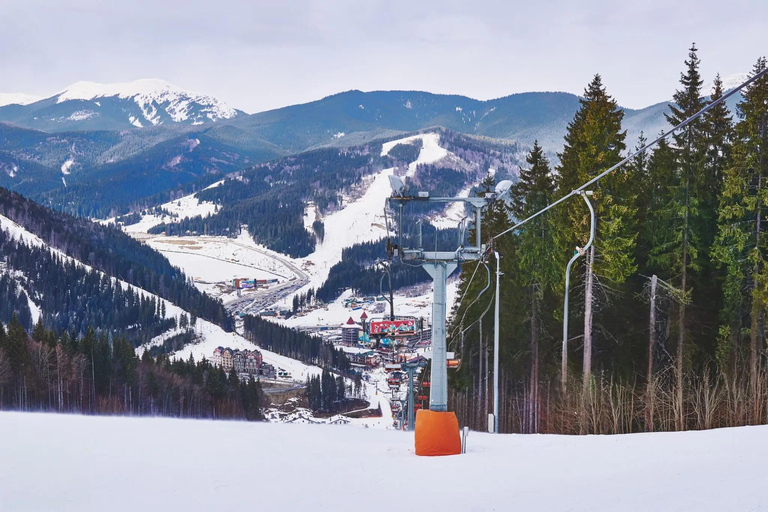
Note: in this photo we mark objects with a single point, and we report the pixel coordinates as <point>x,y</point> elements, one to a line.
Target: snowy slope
<point>130,464</point>
<point>10,98</point>
<point>362,220</point>
<point>180,209</point>
<point>18,232</point>
<point>214,336</point>
<point>431,151</point>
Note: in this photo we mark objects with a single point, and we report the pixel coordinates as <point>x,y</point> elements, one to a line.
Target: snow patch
<point>310,216</point>
<point>82,115</point>
<point>66,167</point>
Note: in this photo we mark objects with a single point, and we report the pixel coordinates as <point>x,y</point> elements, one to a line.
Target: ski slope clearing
<point>180,209</point>
<point>86,463</point>
<point>430,153</point>
<point>453,213</point>
<point>361,220</point>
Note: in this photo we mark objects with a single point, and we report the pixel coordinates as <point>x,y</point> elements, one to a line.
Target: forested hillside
<point>668,307</point>
<point>92,374</point>
<point>58,283</point>
<point>270,198</point>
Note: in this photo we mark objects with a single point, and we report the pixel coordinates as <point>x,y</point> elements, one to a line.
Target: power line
<point>639,151</point>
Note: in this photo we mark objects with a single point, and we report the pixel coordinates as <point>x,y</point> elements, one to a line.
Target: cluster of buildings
<point>407,330</point>
<point>242,361</point>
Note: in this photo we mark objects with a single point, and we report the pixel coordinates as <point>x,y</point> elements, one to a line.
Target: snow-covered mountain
<point>91,105</point>
<point>153,98</point>
<point>729,82</point>
<point>11,98</point>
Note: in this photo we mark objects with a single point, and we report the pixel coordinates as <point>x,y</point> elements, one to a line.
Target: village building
<point>226,360</point>
<point>350,333</point>
<point>253,360</point>
<point>216,359</point>
<point>248,361</point>
<point>238,361</point>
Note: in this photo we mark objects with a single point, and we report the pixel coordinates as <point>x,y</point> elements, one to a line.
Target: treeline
<point>72,297</point>
<point>108,249</point>
<point>294,344</point>
<point>668,308</point>
<point>325,391</point>
<point>93,374</point>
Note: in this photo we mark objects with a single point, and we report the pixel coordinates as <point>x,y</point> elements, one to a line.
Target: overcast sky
<point>257,55</point>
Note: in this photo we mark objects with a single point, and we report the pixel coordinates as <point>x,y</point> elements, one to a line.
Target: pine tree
<point>537,269</point>
<point>684,222</point>
<point>741,248</point>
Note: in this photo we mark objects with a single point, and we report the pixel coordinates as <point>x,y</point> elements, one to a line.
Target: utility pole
<point>651,345</point>
<point>496,347</point>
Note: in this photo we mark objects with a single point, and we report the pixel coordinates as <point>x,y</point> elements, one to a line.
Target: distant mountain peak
<point>729,82</point>
<point>85,90</point>
<point>17,98</point>
<point>152,95</point>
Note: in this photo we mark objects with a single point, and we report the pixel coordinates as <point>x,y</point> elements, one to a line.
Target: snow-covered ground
<point>86,463</point>
<point>218,258</point>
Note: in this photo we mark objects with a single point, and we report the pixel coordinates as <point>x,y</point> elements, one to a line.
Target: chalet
<point>238,360</point>
<point>253,361</point>
<point>226,360</point>
<point>216,359</point>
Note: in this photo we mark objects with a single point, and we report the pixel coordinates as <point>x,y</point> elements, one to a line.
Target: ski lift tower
<point>439,265</point>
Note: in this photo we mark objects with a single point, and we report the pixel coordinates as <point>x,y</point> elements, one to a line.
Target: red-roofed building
<point>350,332</point>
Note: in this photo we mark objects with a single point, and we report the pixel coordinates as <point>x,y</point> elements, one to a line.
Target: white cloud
<point>257,55</point>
